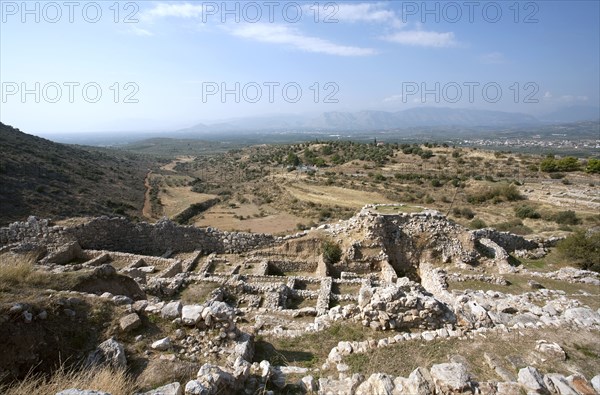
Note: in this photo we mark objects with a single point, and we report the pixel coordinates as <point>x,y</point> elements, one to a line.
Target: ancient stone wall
<point>32,230</point>
<point>510,242</point>
<point>286,266</point>
<point>120,234</point>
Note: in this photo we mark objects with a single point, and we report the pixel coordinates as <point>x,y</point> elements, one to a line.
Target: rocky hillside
<point>56,180</point>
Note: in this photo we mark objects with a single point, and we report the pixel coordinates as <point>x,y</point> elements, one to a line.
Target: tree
<point>332,252</point>
<point>568,163</point>
<point>548,165</point>
<point>593,166</point>
<point>292,159</point>
<point>582,249</point>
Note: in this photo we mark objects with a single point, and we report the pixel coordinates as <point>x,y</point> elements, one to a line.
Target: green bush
<point>526,211</point>
<point>593,166</point>
<point>568,163</point>
<point>548,165</point>
<point>477,223</point>
<point>515,226</point>
<point>566,218</point>
<point>583,250</point>
<point>332,252</point>
<point>463,212</point>
<point>498,193</point>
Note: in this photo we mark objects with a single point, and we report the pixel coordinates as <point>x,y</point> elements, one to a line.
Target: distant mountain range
<point>573,114</point>
<point>384,120</point>
<point>414,121</point>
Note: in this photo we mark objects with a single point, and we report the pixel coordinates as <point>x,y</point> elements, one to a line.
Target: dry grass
<point>333,195</point>
<point>398,209</point>
<point>198,293</point>
<point>113,381</point>
<point>19,269</point>
<point>310,350</point>
<point>581,346</point>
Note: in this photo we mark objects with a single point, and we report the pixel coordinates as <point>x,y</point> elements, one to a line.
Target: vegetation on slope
<point>47,179</point>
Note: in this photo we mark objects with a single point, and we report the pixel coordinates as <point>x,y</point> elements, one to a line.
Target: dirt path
<point>147,209</point>
<point>180,159</point>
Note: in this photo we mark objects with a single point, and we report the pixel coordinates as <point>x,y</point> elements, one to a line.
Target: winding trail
<point>147,209</point>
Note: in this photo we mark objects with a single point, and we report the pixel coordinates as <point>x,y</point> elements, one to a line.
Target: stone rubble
<point>389,279</point>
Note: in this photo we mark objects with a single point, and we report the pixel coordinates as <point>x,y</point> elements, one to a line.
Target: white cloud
<point>366,12</point>
<point>138,31</point>
<point>162,10</point>
<point>564,98</point>
<point>493,58</point>
<point>422,38</point>
<point>572,98</point>
<point>286,35</point>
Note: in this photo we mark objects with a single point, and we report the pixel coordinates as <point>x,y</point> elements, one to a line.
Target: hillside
<point>48,179</point>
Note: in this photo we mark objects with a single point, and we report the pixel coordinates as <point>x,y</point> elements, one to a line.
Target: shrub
<point>477,223</point>
<point>515,226</point>
<point>548,165</point>
<point>566,218</point>
<point>568,163</point>
<point>332,252</point>
<point>467,213</point>
<point>436,183</point>
<point>526,211</point>
<point>582,249</point>
<point>593,166</point>
<point>502,192</point>
<point>463,212</point>
<point>379,177</point>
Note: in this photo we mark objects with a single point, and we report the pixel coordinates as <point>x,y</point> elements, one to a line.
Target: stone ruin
<point>391,277</point>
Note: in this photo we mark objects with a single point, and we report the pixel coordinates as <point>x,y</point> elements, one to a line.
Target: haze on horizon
<point>110,66</point>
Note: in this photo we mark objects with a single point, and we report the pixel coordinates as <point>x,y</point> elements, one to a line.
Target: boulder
<point>343,386</point>
<point>191,314</point>
<point>130,322</point>
<point>532,380</point>
<point>162,345</point>
<point>108,352</point>
<point>194,387</point>
<point>451,378</point>
<point>419,382</point>
<point>557,384</point>
<point>583,315</point>
<point>171,310</point>
<point>120,300</point>
<point>308,384</point>
<point>553,350</point>
<point>596,383</point>
<point>169,389</point>
<point>580,384</point>
<point>215,379</point>
<point>508,388</point>
<point>376,384</point>
<point>364,296</point>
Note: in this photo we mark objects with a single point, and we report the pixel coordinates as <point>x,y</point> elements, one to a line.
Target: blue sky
<point>164,65</point>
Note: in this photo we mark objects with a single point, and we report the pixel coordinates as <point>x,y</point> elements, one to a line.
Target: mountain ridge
<point>372,120</point>
<point>58,180</point>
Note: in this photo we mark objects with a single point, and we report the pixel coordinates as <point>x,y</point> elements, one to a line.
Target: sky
<point>71,66</point>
